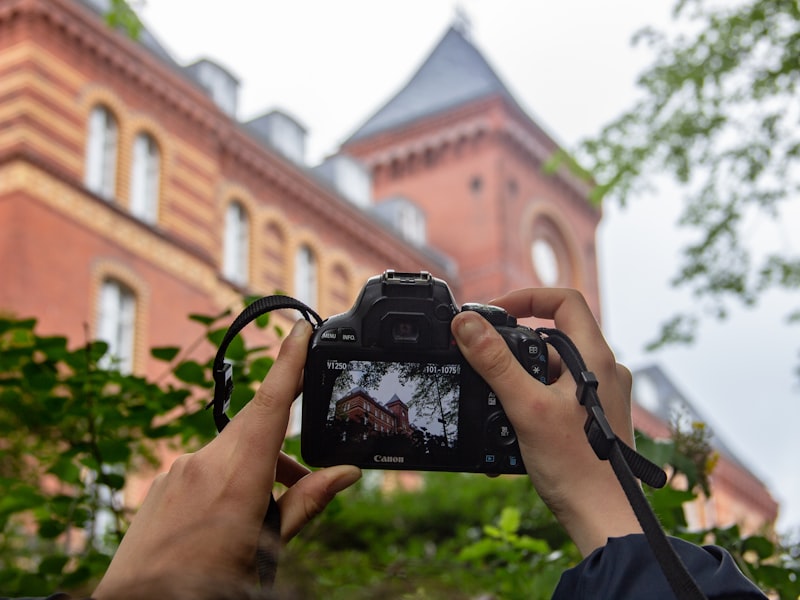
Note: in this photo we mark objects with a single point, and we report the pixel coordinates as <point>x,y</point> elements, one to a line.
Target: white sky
<point>571,65</point>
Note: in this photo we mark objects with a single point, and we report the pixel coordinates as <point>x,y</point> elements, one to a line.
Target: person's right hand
<point>580,489</point>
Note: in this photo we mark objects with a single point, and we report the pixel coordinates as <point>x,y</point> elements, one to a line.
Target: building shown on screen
<point>132,196</point>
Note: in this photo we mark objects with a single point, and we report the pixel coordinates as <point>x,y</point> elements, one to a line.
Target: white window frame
<point>306,279</point>
<point>116,325</point>
<point>411,223</point>
<point>145,175</point>
<point>236,244</point>
<point>101,152</point>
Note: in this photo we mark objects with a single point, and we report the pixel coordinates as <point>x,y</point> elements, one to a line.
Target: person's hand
<point>204,517</point>
<point>580,489</point>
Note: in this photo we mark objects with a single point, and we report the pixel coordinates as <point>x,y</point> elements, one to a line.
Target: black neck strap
<point>628,464</point>
<point>266,553</point>
<point>223,371</point>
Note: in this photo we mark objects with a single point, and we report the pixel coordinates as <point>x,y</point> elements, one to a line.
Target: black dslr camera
<point>387,388</point>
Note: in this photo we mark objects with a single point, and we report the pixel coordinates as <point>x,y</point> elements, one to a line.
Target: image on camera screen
<point>401,408</point>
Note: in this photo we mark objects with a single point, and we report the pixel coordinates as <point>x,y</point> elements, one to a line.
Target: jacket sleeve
<point>627,568</point>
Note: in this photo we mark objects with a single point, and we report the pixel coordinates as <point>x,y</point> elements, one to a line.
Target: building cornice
<point>476,118</point>
<point>81,29</point>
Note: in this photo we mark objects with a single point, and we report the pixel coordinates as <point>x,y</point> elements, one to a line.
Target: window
<point>145,178</point>
<point>411,223</point>
<point>236,245</point>
<point>545,262</point>
<point>305,276</point>
<point>116,325</point>
<point>101,152</point>
<point>550,254</point>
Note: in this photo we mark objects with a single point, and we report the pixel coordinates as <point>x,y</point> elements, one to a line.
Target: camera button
<point>513,461</point>
<point>348,334</point>
<point>330,335</point>
<point>500,431</point>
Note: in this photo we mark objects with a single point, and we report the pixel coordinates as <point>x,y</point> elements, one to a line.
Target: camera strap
<point>266,554</point>
<point>628,465</point>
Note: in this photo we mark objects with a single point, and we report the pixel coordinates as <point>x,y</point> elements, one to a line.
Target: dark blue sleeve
<point>626,568</point>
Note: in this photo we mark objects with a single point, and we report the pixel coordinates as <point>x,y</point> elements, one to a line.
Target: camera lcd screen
<point>394,411</point>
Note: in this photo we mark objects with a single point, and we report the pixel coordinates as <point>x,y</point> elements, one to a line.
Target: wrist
<point>597,516</point>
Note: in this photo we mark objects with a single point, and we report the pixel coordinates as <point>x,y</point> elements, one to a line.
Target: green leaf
<point>236,348</point>
<point>114,480</point>
<point>165,353</point>
<point>763,547</point>
<point>65,470</point>
<point>260,367</point>
<point>208,320</point>
<point>191,372</point>
<point>115,450</point>
<point>50,529</point>
<point>510,520</point>
<point>53,564</point>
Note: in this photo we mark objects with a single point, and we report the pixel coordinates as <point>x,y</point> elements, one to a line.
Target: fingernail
<point>300,328</point>
<point>469,327</point>
<point>346,477</point>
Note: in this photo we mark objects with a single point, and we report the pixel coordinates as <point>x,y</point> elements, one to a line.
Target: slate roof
<point>455,73</point>
<point>670,402</point>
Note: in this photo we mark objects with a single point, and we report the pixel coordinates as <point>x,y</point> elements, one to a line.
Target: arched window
<point>305,276</point>
<point>116,324</point>
<point>101,152</point>
<point>145,178</point>
<point>236,244</point>
<point>550,254</point>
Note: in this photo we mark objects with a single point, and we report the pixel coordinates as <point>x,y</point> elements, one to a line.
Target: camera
<point>385,386</point>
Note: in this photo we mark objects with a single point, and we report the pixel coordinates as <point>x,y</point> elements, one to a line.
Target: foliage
<point>121,16</point>
<point>72,434</point>
<point>75,435</point>
<point>719,113</point>
<point>435,539</point>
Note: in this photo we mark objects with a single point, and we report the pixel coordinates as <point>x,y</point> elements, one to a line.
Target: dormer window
<point>218,83</point>
<point>350,178</point>
<point>405,217</point>
<point>282,133</point>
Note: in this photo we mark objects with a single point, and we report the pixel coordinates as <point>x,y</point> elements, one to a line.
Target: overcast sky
<point>571,65</point>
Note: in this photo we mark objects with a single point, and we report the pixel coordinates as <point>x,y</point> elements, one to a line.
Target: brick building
<point>358,406</point>
<point>131,196</point>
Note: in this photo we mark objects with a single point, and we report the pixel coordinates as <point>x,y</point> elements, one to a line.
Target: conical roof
<point>455,73</point>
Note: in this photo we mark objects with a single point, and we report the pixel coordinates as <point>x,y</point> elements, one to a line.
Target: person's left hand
<point>204,517</point>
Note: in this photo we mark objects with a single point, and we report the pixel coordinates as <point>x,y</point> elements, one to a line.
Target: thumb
<point>309,496</point>
<point>488,353</point>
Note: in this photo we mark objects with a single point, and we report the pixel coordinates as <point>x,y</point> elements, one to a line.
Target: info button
<point>348,334</point>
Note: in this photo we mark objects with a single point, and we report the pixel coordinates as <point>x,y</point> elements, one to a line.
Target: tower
<point>456,162</point>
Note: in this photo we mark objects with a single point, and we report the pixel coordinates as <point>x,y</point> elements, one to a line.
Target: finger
<point>309,496</point>
<point>289,471</point>
<point>489,355</point>
<point>571,314</point>
<point>256,433</point>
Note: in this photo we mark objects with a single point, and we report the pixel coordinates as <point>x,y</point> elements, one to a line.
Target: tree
<point>718,113</point>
